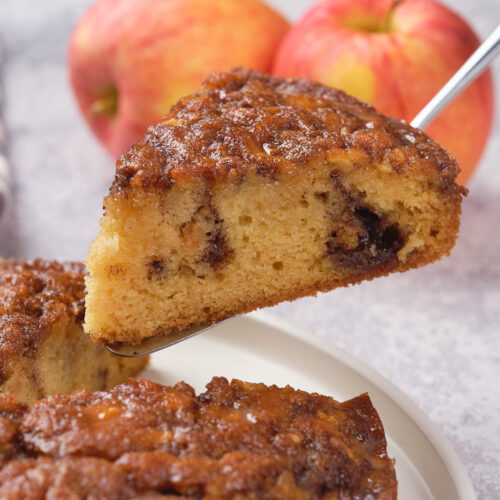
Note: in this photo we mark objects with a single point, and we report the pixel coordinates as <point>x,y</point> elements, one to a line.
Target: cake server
<point>472,68</point>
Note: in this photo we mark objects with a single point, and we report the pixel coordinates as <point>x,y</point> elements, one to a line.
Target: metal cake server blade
<point>472,68</point>
<point>159,342</point>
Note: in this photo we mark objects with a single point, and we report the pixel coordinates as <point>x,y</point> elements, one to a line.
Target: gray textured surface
<point>434,332</point>
<point>5,188</point>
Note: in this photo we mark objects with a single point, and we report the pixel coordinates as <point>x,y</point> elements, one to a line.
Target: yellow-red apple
<point>395,55</point>
<point>129,60</point>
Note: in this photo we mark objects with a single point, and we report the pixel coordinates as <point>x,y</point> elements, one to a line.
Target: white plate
<point>261,348</point>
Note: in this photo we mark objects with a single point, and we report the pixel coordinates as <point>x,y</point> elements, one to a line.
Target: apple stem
<point>395,4</point>
<point>107,103</point>
<point>386,24</point>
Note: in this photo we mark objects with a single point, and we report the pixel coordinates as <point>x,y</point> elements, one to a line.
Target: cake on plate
<point>259,189</point>
<point>43,349</point>
<point>236,440</point>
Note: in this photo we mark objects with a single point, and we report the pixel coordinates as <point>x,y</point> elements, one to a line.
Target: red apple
<point>395,55</point>
<point>129,60</point>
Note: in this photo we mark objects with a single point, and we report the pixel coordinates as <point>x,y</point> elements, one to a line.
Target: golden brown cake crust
<point>248,120</point>
<point>235,440</point>
<point>34,296</point>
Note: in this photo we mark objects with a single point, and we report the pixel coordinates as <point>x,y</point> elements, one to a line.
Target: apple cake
<point>43,349</point>
<point>259,189</point>
<point>237,440</point>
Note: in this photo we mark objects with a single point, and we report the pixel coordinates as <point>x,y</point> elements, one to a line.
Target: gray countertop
<point>434,332</point>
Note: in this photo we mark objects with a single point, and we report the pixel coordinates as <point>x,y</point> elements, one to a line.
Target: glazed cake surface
<point>259,189</point>
<point>43,349</point>
<point>236,440</point>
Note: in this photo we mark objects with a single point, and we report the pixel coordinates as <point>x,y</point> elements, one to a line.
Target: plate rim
<point>441,443</point>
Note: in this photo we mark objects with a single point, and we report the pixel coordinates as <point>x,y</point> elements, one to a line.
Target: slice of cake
<point>257,190</point>
<point>43,349</point>
<point>237,440</point>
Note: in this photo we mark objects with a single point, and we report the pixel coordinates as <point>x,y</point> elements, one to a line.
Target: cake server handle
<point>472,68</point>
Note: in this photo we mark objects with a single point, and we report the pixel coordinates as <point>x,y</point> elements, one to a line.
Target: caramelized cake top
<point>237,438</point>
<point>244,120</point>
<point>34,296</point>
